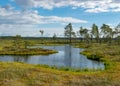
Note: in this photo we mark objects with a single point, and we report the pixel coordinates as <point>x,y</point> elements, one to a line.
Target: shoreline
<point>34,51</point>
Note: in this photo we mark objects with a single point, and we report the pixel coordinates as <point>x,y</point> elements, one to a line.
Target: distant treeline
<point>49,38</point>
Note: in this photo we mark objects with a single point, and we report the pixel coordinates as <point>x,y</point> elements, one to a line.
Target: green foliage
<point>95,32</point>
<point>69,32</point>
<point>84,33</point>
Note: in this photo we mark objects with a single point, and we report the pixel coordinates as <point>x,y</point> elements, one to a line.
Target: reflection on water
<point>67,57</point>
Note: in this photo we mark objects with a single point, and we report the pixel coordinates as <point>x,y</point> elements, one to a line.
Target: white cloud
<point>25,23</point>
<point>97,10</point>
<point>116,10</point>
<point>7,7</point>
<point>88,5</point>
<point>12,30</point>
<point>32,17</point>
<point>28,30</point>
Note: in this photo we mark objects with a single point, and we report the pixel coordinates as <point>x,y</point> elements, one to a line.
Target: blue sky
<point>27,17</point>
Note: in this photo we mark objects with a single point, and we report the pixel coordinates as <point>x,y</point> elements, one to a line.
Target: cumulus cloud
<point>25,22</point>
<point>32,17</point>
<point>89,5</point>
<point>7,7</point>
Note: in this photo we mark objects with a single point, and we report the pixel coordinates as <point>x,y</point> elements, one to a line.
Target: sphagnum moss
<point>20,74</point>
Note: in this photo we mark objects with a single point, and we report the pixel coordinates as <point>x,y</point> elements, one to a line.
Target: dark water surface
<point>67,56</point>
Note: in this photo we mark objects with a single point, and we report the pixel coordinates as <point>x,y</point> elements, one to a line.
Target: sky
<point>28,17</point>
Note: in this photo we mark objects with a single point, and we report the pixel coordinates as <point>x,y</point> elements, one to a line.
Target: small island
<point>34,51</point>
<point>20,47</point>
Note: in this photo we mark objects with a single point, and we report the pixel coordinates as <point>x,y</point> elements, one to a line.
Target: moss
<point>21,74</point>
<point>109,55</point>
<point>96,57</point>
<point>35,51</point>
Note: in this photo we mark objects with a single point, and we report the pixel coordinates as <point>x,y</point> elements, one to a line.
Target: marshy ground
<point>21,74</point>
